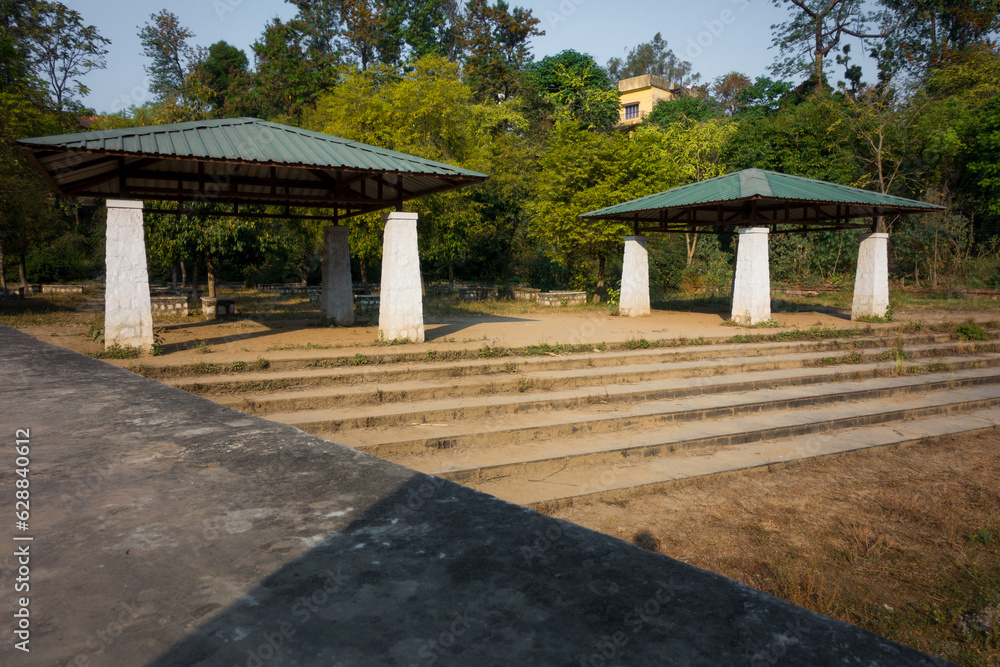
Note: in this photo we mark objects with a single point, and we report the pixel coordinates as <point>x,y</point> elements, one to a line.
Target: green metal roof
<point>755,196</point>
<point>268,163</point>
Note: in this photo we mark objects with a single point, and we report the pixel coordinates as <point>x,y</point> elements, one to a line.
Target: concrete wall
<point>401,313</point>
<point>128,318</point>
<point>752,279</point>
<point>871,282</point>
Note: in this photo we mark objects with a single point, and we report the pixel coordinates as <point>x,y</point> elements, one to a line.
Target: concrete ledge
<point>525,293</point>
<point>172,531</point>
<point>477,293</point>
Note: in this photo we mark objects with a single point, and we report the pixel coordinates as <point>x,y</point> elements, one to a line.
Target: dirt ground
<point>186,340</point>
<point>904,542</point>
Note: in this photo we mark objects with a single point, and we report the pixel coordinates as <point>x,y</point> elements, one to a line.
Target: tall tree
<point>166,43</point>
<point>929,32</point>
<point>496,45</point>
<point>373,31</point>
<point>815,29</point>
<point>653,57</point>
<point>62,49</point>
<point>320,22</point>
<point>223,65</point>
<point>577,87</point>
<point>432,28</point>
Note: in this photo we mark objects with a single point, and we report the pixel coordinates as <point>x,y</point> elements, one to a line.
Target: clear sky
<point>717,36</point>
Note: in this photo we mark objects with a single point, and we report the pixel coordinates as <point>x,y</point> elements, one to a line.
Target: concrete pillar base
<point>871,282</point>
<point>336,301</point>
<point>128,315</point>
<point>752,278</point>
<point>401,310</point>
<point>634,298</point>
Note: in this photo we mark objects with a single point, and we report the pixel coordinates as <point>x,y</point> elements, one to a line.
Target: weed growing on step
<point>637,344</point>
<point>203,347</point>
<point>765,324</point>
<point>971,331</point>
<point>359,360</point>
<point>279,346</point>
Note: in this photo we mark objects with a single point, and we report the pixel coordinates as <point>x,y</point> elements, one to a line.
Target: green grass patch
<point>117,351</point>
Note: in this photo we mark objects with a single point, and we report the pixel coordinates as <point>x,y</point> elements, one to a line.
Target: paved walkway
<point>168,530</point>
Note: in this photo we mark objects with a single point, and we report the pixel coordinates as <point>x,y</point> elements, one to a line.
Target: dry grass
<point>903,542</point>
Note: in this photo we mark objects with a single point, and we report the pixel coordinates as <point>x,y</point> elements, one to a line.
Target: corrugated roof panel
<point>748,184</point>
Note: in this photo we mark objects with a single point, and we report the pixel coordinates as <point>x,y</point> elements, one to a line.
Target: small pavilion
<point>247,162</point>
<point>752,204</point>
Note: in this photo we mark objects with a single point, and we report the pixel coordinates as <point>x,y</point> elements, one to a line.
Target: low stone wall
<point>12,293</point>
<point>173,305</point>
<point>213,307</point>
<point>562,298</point>
<point>292,289</point>
<point>525,293</point>
<point>62,289</point>
<point>477,293</point>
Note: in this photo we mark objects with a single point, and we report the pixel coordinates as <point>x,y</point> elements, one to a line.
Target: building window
<point>631,111</point>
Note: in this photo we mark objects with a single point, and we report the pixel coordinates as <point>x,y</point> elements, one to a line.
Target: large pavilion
<point>242,162</point>
<point>752,204</point>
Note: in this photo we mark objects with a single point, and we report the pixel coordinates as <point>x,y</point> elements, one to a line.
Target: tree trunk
<point>3,270</point>
<point>364,274</point>
<point>601,262</point>
<point>691,241</point>
<point>194,284</point>
<point>184,275</point>
<point>880,224</point>
<point>934,265</point>
<point>173,278</point>
<point>451,275</point>
<point>303,276</point>
<point>22,270</point>
<point>210,276</point>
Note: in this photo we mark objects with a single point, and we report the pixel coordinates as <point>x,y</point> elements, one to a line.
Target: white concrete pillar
<point>634,298</point>
<point>871,282</point>
<point>752,278</point>
<point>336,301</point>
<point>128,316</point>
<point>401,306</point>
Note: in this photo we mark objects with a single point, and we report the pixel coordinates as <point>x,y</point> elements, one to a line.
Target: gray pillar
<point>752,279</point>
<point>337,300</point>
<point>871,282</point>
<point>634,298</point>
<point>401,306</point>
<point>128,316</point>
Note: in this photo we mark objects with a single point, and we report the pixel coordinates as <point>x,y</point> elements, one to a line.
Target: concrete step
<point>630,477</point>
<point>675,381</point>
<point>278,377</point>
<point>469,465</point>
<point>466,435</point>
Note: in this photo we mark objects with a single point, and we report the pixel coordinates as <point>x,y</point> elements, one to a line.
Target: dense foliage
<point>456,81</point>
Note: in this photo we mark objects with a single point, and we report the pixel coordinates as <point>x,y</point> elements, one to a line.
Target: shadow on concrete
<point>451,325</point>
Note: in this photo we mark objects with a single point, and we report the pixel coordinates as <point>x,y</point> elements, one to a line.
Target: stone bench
<point>12,293</point>
<point>213,307</point>
<point>62,289</point>
<point>562,298</point>
<point>368,300</point>
<point>171,305</point>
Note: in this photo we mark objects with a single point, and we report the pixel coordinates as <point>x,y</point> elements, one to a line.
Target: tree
<point>927,33</point>
<point>165,42</point>
<point>815,29</point>
<point>319,22</point>
<point>683,110</point>
<point>495,44</point>
<point>62,49</point>
<point>653,57</point>
<point>432,28</point>
<point>727,88</point>
<point>577,87</point>
<point>224,64</point>
<point>373,31</point>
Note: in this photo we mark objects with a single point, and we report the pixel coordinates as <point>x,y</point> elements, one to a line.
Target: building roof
<point>758,197</point>
<point>237,160</point>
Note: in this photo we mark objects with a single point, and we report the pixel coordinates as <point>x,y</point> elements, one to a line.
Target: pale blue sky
<point>717,36</point>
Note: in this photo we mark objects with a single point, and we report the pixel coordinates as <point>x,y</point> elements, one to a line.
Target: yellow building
<point>641,93</point>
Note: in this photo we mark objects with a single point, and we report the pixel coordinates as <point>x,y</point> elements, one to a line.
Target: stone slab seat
<point>213,306</point>
<point>204,536</point>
